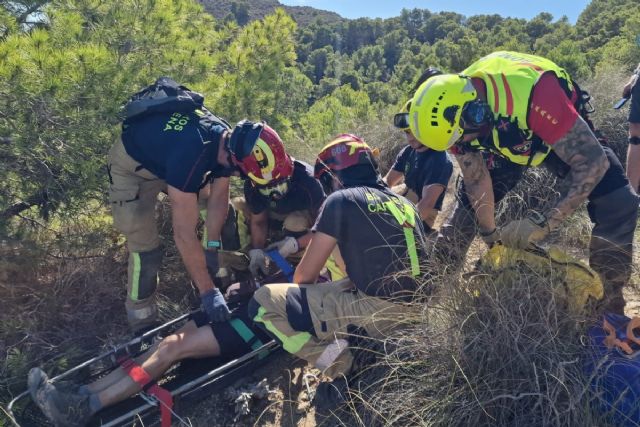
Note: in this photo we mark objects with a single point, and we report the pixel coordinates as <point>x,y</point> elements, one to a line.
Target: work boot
<point>365,350</point>
<point>62,409</point>
<point>331,402</point>
<point>330,394</point>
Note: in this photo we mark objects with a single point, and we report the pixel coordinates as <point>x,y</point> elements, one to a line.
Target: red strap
<point>166,403</point>
<point>142,378</point>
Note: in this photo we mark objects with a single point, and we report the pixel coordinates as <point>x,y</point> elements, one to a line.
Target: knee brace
<point>144,274</point>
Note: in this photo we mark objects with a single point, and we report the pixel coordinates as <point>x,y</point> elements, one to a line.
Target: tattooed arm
<point>580,149</point>
<point>477,182</point>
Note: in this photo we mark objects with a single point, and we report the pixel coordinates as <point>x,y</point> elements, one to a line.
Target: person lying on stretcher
<point>198,338</point>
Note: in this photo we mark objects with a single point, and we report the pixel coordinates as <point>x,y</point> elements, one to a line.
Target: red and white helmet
<point>344,151</point>
<point>259,153</point>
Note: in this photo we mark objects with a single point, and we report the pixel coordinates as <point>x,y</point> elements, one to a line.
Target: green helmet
<point>434,116</point>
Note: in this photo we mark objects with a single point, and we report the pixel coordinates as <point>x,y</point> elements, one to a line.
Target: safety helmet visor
<point>401,120</point>
<point>275,190</point>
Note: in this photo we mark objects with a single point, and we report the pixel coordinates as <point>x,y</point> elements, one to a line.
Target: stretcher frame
<point>123,413</point>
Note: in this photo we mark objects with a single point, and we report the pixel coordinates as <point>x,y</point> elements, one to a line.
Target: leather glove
<point>215,306</point>
<point>257,262</point>
<point>287,246</point>
<point>491,238</point>
<point>211,258</point>
<point>520,233</point>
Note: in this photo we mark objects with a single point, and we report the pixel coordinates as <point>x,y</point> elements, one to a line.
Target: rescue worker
<point>198,338</point>
<point>179,153</point>
<point>632,90</point>
<point>419,173</point>
<point>281,200</point>
<point>459,228</point>
<point>380,238</point>
<point>528,110</point>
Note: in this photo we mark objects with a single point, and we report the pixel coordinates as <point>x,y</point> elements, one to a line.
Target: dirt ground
<point>287,404</point>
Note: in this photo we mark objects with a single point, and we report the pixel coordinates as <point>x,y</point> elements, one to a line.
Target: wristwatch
<point>214,244</point>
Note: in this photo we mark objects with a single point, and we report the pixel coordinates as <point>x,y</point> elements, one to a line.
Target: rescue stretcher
<point>189,380</point>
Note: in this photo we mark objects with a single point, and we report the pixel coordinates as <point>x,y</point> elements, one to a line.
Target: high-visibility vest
<point>510,78</point>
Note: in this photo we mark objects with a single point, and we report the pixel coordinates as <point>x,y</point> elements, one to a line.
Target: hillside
<point>244,11</point>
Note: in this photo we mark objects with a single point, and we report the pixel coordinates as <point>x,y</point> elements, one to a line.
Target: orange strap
<point>612,341</point>
<point>633,324</point>
<point>144,380</point>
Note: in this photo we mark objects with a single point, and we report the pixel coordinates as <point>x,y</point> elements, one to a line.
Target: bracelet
<point>214,244</point>
<point>487,233</point>
<point>634,140</point>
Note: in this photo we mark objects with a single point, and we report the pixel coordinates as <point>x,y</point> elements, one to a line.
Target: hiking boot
<point>365,349</point>
<point>330,396</point>
<point>62,409</point>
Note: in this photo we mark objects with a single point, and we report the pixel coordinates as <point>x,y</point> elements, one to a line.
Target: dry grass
<point>494,348</point>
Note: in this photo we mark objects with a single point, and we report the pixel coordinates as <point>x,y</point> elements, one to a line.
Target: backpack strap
<point>406,217</point>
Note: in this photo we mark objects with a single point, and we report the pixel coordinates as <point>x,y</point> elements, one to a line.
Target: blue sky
<point>389,8</point>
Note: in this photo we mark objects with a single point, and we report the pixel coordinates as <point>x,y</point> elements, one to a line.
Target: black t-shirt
<point>424,168</point>
<point>371,241</point>
<point>180,148</point>
<point>305,193</point>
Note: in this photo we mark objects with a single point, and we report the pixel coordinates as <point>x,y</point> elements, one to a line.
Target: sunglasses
<point>401,121</point>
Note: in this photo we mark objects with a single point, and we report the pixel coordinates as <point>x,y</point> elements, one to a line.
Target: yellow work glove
<point>521,232</point>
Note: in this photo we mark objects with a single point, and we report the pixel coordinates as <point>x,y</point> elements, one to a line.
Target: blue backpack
<point>613,365</point>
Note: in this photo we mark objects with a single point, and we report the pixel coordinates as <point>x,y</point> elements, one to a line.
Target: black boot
<point>331,402</point>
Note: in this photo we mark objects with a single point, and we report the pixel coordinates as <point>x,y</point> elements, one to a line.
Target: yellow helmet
<point>434,116</point>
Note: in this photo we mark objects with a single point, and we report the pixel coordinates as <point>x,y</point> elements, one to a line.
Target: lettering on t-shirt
<point>176,122</point>
<point>375,203</point>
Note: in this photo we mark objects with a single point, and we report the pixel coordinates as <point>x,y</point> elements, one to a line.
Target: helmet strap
<point>227,147</point>
<point>327,179</point>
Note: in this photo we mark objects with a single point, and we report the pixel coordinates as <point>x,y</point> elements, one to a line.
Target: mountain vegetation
<point>67,67</point>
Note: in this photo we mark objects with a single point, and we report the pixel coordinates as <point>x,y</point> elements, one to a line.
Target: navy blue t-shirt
<point>424,168</point>
<point>305,193</point>
<point>181,148</point>
<point>371,241</point>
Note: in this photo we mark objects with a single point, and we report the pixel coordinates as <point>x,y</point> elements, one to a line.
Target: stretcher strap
<point>149,386</point>
<point>247,335</point>
<point>282,263</point>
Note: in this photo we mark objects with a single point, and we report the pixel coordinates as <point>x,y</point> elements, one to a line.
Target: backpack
<point>163,96</point>
<point>612,364</point>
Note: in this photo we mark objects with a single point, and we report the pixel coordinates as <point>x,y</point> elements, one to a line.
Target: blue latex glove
<point>215,306</point>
